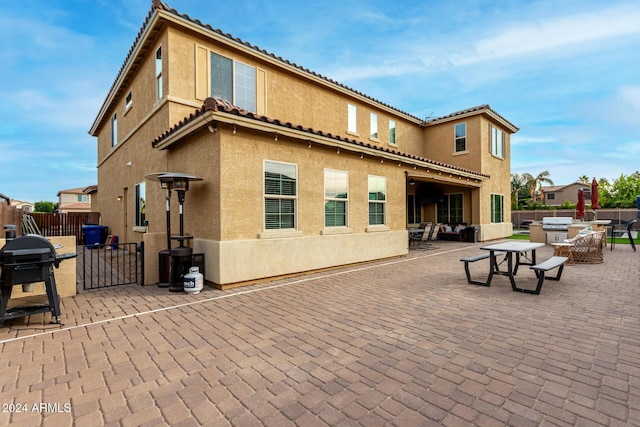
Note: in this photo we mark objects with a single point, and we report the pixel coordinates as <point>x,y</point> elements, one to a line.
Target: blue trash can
<point>94,234</point>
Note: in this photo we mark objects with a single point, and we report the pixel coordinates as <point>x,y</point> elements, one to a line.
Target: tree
<point>46,207</point>
<point>519,189</point>
<point>584,179</point>
<point>621,193</point>
<point>536,183</point>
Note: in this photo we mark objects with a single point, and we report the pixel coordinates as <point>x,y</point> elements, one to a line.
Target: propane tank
<point>193,281</point>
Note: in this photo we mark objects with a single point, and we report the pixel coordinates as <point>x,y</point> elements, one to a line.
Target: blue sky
<point>567,73</point>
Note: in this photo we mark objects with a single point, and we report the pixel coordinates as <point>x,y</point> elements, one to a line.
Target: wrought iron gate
<point>103,266</point>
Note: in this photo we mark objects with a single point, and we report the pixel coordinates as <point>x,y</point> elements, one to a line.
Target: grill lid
<point>28,244</point>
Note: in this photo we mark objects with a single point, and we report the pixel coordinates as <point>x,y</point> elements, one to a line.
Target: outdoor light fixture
<point>212,129</point>
<point>412,182</point>
<point>119,198</point>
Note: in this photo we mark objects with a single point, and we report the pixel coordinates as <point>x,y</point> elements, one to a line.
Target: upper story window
<point>460,137</point>
<point>336,198</point>
<point>377,199</point>
<point>496,143</point>
<point>392,132</point>
<point>159,92</point>
<point>373,126</point>
<point>82,198</point>
<point>128,102</point>
<point>141,206</point>
<point>352,123</point>
<point>234,82</point>
<point>280,195</point>
<point>114,130</point>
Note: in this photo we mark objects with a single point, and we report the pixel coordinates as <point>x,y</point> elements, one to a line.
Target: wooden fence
<point>10,215</point>
<point>65,224</point>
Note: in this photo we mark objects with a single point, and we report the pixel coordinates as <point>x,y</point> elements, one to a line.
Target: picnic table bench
<point>548,265</point>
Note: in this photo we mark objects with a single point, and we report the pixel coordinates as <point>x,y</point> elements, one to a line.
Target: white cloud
<point>525,38</point>
<point>527,140</point>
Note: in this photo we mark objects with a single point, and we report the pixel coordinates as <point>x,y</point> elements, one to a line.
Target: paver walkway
<point>400,342</point>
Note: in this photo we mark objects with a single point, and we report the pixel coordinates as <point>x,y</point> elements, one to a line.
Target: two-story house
<point>299,172</point>
<point>74,200</point>
<point>555,195</point>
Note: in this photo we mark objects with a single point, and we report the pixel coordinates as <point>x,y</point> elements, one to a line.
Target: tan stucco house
<point>299,172</point>
<point>555,195</point>
<point>74,200</point>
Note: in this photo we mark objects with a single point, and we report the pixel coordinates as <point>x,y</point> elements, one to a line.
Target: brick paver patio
<point>401,342</point>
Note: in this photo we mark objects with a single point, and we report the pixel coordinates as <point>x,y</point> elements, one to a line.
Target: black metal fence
<point>103,266</point>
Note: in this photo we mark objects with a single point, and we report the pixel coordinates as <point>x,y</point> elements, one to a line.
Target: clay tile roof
<point>218,105</point>
<point>159,5</point>
<point>479,108</point>
<point>78,205</point>
<point>72,191</point>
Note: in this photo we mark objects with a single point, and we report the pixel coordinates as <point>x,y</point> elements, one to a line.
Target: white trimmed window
<point>392,132</point>
<point>377,199</point>
<point>460,137</point>
<point>234,82</point>
<point>352,124</point>
<point>496,143</point>
<point>159,92</point>
<point>336,198</point>
<point>114,130</point>
<point>373,126</point>
<point>497,208</point>
<point>141,205</point>
<point>128,102</point>
<point>280,195</point>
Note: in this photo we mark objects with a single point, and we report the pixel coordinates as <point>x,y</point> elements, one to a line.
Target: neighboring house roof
<point>71,191</point>
<point>77,206</point>
<point>551,188</point>
<point>139,50</point>
<point>218,105</point>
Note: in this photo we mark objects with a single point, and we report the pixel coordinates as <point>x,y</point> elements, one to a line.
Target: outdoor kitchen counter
<point>538,234</point>
<point>65,274</point>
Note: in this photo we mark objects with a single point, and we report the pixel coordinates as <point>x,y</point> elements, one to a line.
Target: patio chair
<point>587,247</point>
<point>618,230</point>
<point>416,239</point>
<point>423,243</point>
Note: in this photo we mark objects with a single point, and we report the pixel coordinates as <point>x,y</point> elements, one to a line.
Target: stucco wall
<point>235,261</point>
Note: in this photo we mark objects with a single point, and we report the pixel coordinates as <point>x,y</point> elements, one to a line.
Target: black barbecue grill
<point>29,259</point>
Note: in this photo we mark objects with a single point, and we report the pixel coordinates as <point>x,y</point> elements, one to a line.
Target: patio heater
<point>174,262</point>
<point>164,277</point>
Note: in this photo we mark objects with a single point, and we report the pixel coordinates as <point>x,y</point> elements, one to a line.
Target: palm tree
<point>584,179</point>
<point>519,188</point>
<point>536,183</point>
